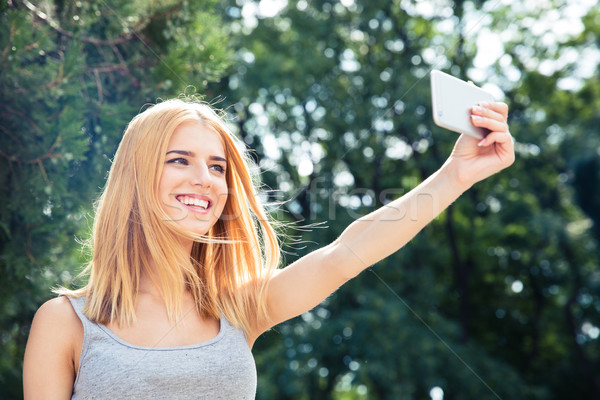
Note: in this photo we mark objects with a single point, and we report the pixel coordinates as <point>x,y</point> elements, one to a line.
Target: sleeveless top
<point>109,368</point>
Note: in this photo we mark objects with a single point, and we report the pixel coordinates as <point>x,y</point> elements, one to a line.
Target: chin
<point>197,230</point>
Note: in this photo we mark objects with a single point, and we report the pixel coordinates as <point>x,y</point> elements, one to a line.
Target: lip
<point>193,208</point>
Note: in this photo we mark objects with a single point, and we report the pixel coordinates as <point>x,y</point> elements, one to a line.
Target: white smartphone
<point>452,100</point>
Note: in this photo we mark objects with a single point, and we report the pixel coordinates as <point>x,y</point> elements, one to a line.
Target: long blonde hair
<point>228,269</point>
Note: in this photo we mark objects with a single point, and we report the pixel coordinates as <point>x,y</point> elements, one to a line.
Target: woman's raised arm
<point>308,281</point>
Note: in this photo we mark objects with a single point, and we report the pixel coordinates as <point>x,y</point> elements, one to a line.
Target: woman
<point>183,278</point>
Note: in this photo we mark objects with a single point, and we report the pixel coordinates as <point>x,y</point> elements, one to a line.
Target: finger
<point>501,137</point>
<point>498,106</point>
<point>487,113</point>
<point>493,125</point>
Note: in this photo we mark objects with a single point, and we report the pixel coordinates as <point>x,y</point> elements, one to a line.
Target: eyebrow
<point>192,154</point>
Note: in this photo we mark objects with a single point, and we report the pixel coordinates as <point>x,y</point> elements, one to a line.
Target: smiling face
<point>193,184</point>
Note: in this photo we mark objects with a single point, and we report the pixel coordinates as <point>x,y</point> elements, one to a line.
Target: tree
<point>73,74</point>
<point>498,296</point>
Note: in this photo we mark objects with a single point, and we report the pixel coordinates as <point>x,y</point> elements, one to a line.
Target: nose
<point>201,176</point>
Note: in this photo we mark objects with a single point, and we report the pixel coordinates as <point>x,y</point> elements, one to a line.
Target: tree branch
<point>123,38</point>
<point>10,135</point>
<point>48,154</point>
<point>5,51</point>
<point>6,107</point>
<point>43,170</point>
<point>134,80</point>
<point>58,79</point>
<point>101,42</point>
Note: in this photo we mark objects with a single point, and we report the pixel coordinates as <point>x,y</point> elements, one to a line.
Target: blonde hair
<point>228,269</point>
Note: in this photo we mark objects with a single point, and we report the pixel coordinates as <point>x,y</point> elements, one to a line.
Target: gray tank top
<point>110,368</point>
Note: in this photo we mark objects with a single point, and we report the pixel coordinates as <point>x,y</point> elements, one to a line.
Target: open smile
<point>199,204</point>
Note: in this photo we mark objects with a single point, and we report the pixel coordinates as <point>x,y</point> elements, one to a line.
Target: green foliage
<point>496,298</point>
<point>72,75</point>
<point>499,296</point>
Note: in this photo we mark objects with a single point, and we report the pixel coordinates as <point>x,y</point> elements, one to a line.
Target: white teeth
<point>191,201</point>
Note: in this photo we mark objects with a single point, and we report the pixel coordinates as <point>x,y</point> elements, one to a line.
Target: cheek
<point>167,202</point>
<point>163,191</point>
<point>223,194</point>
<point>167,180</point>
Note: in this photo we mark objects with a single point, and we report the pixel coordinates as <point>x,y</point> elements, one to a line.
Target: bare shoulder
<point>56,323</point>
<point>57,314</point>
<point>51,355</point>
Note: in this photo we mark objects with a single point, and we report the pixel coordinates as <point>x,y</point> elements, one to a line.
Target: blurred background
<point>499,298</point>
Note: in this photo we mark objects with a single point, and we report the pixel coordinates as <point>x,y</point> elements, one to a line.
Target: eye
<point>219,168</point>
<point>179,160</point>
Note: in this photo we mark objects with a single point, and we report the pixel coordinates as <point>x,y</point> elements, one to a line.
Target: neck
<point>146,285</point>
<point>186,244</point>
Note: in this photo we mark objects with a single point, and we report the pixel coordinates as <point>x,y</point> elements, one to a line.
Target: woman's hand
<point>473,160</point>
